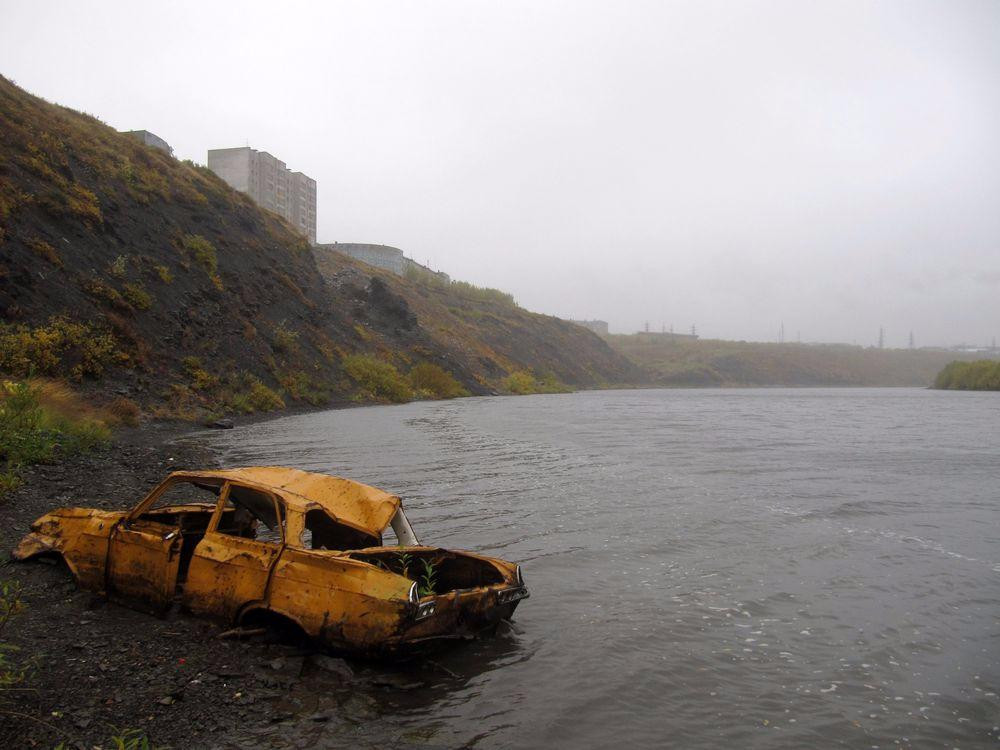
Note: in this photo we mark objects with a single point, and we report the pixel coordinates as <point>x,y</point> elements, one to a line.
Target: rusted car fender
<point>77,535</point>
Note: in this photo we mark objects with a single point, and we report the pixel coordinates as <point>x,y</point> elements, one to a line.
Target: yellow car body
<point>275,544</point>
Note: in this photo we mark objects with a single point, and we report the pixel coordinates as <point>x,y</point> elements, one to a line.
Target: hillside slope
<point>478,334</point>
<point>706,362</point>
<point>133,273</point>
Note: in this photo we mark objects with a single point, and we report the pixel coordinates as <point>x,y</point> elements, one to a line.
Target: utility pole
<point>647,326</point>
<point>911,340</point>
<point>881,337</point>
<point>693,331</point>
<point>781,333</point>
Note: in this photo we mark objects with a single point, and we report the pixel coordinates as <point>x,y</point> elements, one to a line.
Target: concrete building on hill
<point>381,256</point>
<point>650,337</point>
<point>150,139</point>
<point>270,183</point>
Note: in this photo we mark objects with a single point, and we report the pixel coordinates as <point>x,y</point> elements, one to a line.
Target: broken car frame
<point>274,545</point>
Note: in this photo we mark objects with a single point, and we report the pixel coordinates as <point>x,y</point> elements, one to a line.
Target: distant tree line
<point>981,375</point>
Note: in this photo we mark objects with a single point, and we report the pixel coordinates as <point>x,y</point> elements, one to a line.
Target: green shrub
<point>301,387</point>
<point>32,431</point>
<point>981,375</point>
<point>432,380</point>
<point>118,267</point>
<point>137,296</point>
<point>375,379</point>
<point>252,395</point>
<point>62,348</point>
<point>460,288</point>
<point>202,251</point>
<point>286,340</point>
<point>200,378</point>
<point>44,250</point>
<point>164,273</point>
<point>82,204</point>
<point>204,254</point>
<point>521,383</point>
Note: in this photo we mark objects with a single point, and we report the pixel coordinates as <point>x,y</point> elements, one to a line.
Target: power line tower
<point>647,326</point>
<point>912,345</point>
<point>881,337</point>
<point>781,333</point>
<point>694,332</point>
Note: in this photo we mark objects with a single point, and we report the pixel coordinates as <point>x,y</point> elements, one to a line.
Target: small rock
<point>335,666</point>
<point>167,700</point>
<point>222,424</point>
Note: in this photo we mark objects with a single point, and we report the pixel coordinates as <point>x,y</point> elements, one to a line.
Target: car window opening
<point>321,531</point>
<point>253,515</point>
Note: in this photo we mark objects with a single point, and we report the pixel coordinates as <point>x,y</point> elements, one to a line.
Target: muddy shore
<point>96,666</point>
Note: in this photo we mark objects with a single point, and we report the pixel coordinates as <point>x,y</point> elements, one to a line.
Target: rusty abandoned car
<point>278,545</point>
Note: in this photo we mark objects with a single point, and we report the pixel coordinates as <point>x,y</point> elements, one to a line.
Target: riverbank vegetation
<point>522,383</point>
<point>981,375</point>
<point>43,421</point>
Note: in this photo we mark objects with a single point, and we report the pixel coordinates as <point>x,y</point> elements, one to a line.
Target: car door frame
<point>143,556</point>
<point>218,549</point>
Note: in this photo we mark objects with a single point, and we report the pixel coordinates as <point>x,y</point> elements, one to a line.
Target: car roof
<point>359,505</point>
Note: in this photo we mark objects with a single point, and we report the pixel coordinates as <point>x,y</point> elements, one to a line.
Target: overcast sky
<point>733,165</point>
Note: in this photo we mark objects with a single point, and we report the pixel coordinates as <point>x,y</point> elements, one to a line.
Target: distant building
<point>651,336</point>
<point>150,139</point>
<point>600,327</point>
<point>380,256</point>
<point>270,183</point>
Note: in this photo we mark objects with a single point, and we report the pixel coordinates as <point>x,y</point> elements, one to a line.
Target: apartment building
<point>270,183</point>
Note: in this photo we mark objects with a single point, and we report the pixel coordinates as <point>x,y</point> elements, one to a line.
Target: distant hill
<point>135,274</point>
<point>707,362</point>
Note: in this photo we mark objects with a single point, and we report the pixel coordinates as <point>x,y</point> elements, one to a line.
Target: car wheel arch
<point>258,613</point>
<point>59,556</point>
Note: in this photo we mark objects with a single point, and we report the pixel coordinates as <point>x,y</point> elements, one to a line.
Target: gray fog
<point>832,166</point>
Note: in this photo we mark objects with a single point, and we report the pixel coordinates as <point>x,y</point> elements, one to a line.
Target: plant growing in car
<point>428,579</point>
<point>404,559</point>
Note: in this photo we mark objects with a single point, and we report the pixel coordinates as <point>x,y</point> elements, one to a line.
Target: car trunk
<point>435,571</point>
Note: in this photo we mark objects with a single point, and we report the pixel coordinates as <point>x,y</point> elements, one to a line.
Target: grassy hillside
<point>481,335</point>
<point>138,276</point>
<point>705,362</point>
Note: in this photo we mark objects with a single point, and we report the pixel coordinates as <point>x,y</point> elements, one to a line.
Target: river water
<point>708,568</point>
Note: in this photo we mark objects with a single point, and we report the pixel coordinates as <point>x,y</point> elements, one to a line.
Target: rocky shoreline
<point>96,668</point>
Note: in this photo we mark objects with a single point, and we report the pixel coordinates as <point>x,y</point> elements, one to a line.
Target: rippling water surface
<point>724,568</point>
